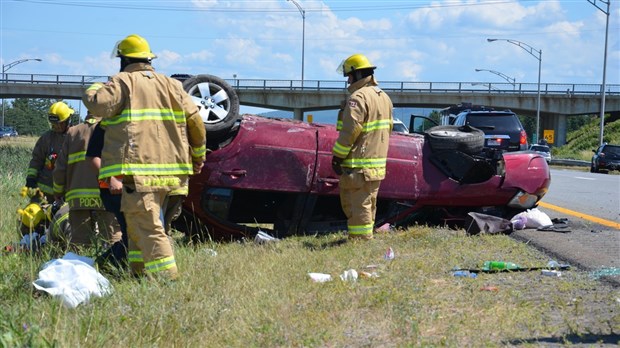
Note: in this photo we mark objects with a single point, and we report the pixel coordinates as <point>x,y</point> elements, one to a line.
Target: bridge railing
<point>317,85</point>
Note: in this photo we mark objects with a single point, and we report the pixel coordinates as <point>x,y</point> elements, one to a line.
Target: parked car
<point>502,129</point>
<point>7,131</point>
<point>399,127</point>
<point>275,175</point>
<point>543,150</point>
<point>606,158</point>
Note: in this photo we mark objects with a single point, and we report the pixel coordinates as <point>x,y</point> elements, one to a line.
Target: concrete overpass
<point>557,100</point>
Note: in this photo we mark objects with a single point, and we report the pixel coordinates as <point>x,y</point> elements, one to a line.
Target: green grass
<point>261,296</point>
<point>581,142</point>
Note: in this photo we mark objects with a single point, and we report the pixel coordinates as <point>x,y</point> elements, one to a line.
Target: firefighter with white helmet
<point>46,150</point>
<point>154,140</point>
<point>360,152</point>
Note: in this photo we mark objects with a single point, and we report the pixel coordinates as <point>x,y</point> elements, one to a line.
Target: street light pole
<point>303,37</point>
<point>510,80</point>
<point>531,50</point>
<point>8,66</point>
<point>593,2</point>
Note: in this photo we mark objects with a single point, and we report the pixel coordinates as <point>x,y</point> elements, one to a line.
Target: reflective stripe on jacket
<point>153,130</point>
<point>365,126</point>
<point>44,155</point>
<point>74,175</point>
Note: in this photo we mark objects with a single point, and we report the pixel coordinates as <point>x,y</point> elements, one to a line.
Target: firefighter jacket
<point>153,130</point>
<point>74,176</point>
<point>365,125</point>
<point>43,160</point>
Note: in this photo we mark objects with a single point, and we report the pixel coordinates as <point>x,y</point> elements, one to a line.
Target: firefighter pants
<point>88,226</point>
<point>150,250</point>
<point>358,198</point>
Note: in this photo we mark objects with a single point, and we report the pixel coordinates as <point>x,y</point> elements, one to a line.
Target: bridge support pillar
<point>298,114</point>
<point>557,123</point>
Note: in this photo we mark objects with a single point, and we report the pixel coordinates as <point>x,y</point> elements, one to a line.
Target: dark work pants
<point>117,254</point>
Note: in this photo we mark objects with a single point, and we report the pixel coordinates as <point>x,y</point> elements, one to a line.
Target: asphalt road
<point>591,203</point>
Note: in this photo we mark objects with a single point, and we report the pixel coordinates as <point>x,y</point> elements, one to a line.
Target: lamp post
<point>510,80</point>
<point>8,66</point>
<point>593,2</point>
<point>538,55</point>
<point>303,37</point>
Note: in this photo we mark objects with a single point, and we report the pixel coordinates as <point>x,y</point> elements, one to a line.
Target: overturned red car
<point>275,175</point>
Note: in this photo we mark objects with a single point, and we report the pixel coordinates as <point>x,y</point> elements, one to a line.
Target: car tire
<point>466,139</point>
<point>218,103</point>
<point>593,169</point>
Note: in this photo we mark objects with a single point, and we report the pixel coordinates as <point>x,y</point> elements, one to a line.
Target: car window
<point>539,148</point>
<point>491,121</point>
<point>610,149</point>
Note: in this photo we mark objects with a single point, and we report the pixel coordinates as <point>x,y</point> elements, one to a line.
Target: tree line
<point>29,115</point>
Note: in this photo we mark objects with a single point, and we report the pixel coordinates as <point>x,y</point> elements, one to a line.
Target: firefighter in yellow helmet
<point>75,181</point>
<point>154,151</point>
<point>46,150</point>
<point>360,152</point>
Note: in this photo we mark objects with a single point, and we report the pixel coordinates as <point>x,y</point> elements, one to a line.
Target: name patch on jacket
<point>162,182</point>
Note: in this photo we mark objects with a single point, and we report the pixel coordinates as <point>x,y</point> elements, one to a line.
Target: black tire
<point>593,169</point>
<point>466,139</point>
<point>218,103</point>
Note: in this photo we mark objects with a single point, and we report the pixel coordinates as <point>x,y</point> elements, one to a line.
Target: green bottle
<point>499,265</point>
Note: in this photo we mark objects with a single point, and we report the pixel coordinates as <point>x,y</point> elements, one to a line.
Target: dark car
<point>502,129</point>
<point>7,131</point>
<point>275,175</point>
<point>605,158</point>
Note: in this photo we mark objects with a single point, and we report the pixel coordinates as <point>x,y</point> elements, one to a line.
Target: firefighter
<point>360,152</point>
<point>154,140</point>
<point>75,182</point>
<point>46,150</point>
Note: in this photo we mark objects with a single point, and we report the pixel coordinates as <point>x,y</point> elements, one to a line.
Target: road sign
<point>549,135</point>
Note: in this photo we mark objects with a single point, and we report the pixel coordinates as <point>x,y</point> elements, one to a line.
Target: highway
<point>594,194</point>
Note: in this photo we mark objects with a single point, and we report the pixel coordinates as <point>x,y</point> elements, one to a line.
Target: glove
<point>197,166</point>
<point>337,165</point>
<point>31,183</point>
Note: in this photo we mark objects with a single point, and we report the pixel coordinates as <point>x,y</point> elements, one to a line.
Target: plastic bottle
<point>499,265</point>
<point>464,274</point>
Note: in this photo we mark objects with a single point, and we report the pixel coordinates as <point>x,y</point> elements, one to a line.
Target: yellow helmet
<point>133,46</point>
<point>32,215</point>
<point>59,112</point>
<point>355,62</point>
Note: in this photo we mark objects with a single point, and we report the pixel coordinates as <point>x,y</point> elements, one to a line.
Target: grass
<point>581,142</point>
<point>250,295</point>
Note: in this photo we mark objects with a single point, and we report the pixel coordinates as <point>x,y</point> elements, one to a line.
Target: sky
<point>408,40</point>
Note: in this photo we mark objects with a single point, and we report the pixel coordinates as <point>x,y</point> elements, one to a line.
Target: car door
<point>403,169</point>
<point>266,155</point>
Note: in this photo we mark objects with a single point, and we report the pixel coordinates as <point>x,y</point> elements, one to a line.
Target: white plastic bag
<point>320,277</point>
<point>73,279</point>
<point>534,218</point>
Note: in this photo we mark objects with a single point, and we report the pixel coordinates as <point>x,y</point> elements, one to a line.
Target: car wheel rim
<point>212,101</point>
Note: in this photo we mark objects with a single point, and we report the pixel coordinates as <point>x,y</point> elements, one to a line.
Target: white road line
<point>581,177</point>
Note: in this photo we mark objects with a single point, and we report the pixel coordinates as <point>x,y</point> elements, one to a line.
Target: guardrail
<point>569,162</point>
<point>318,85</point>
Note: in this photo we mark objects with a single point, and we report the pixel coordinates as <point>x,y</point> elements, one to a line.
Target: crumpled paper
<point>72,279</point>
